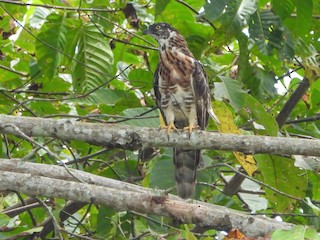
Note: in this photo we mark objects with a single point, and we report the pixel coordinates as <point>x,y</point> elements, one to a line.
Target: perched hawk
<point>183,97</point>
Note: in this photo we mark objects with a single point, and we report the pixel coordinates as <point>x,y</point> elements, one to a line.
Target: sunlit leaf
<point>227,125</point>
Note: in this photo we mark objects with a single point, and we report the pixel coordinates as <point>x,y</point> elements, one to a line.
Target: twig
<point>196,12</point>
<point>18,104</point>
<point>16,211</point>
<point>57,228</point>
<point>33,219</point>
<point>87,157</point>
<point>13,71</point>
<point>24,136</point>
<point>127,31</point>
<point>72,98</point>
<point>79,236</point>
<point>60,7</point>
<point>51,154</point>
<point>119,40</point>
<point>301,120</point>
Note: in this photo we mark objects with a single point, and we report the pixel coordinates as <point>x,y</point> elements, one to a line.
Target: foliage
<point>69,61</point>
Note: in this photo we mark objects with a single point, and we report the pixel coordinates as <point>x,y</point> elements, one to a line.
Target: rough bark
<point>132,138</point>
<point>23,178</point>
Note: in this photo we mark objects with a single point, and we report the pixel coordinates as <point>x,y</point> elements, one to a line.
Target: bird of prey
<point>183,97</point>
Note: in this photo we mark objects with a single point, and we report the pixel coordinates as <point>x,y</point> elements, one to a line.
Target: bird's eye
<point>158,27</point>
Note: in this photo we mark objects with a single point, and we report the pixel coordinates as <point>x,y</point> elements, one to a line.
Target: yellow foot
<point>171,127</point>
<point>190,128</point>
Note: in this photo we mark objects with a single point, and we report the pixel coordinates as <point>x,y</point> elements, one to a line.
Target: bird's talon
<point>190,128</point>
<point>171,127</point>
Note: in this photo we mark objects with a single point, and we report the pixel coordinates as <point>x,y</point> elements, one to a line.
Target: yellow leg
<point>171,127</point>
<point>191,127</point>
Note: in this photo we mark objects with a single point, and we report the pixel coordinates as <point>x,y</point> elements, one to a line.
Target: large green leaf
<point>245,10</point>
<point>150,119</point>
<point>280,173</point>
<point>262,84</point>
<point>262,116</point>
<point>231,90</point>
<point>53,39</point>
<point>160,6</point>
<point>162,172</point>
<point>283,8</point>
<point>214,8</point>
<point>4,219</point>
<point>296,233</point>
<point>265,29</point>
<point>304,16</point>
<point>105,226</point>
<point>96,57</point>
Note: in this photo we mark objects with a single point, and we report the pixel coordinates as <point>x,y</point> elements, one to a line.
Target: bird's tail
<point>186,162</point>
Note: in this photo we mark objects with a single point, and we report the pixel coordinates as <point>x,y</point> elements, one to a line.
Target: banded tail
<point>186,163</point>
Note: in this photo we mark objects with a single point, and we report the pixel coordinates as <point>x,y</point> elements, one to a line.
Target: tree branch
<point>132,138</point>
<point>292,102</point>
<point>121,199</point>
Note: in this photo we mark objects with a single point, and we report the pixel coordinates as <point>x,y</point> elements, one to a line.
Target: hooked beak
<point>146,32</point>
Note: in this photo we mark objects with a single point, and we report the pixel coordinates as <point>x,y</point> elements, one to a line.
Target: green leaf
<point>262,84</point>
<point>105,96</point>
<point>258,111</point>
<point>162,172</point>
<point>245,10</point>
<point>33,230</point>
<point>265,30</point>
<point>43,108</point>
<point>94,51</point>
<point>40,15</point>
<point>296,233</point>
<point>4,219</point>
<point>214,8</point>
<point>105,227</point>
<point>315,95</point>
<point>53,34</point>
<point>314,181</point>
<point>280,173</point>
<point>141,79</point>
<point>231,90</point>
<point>304,17</point>
<point>160,6</point>
<point>150,119</point>
<point>283,8</point>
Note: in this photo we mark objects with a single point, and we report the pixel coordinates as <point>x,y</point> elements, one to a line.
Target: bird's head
<point>168,38</point>
<point>160,31</point>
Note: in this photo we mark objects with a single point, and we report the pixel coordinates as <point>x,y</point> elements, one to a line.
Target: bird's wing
<point>157,92</point>
<point>201,91</point>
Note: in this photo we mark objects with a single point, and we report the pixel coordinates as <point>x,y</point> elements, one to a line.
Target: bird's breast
<point>176,67</point>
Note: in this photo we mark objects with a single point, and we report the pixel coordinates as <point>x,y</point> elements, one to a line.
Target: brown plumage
<point>183,97</point>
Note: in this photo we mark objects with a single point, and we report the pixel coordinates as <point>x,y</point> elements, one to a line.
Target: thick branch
<point>130,137</point>
<point>142,201</point>
<point>292,102</point>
